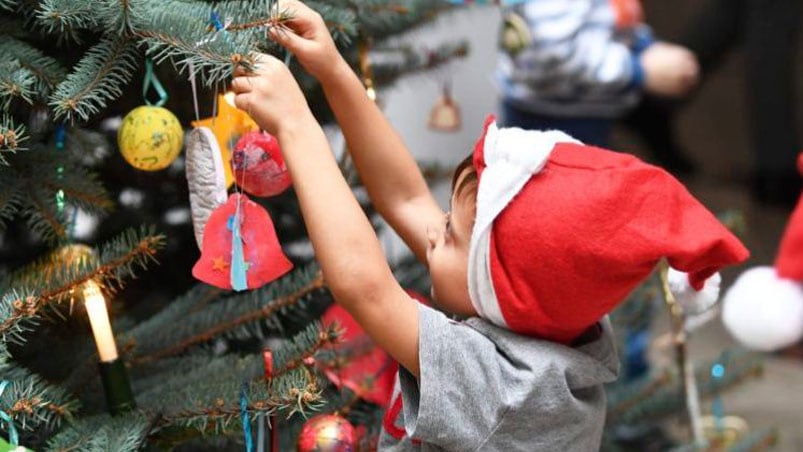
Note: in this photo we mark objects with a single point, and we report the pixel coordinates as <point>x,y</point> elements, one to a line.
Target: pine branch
<point>98,78</point>
<point>15,82</point>
<point>116,261</point>
<point>46,70</point>
<point>103,433</point>
<point>8,5</point>
<point>32,403</point>
<point>227,317</point>
<point>66,18</point>
<point>212,405</point>
<point>17,316</point>
<point>303,346</point>
<point>178,31</point>
<point>11,138</point>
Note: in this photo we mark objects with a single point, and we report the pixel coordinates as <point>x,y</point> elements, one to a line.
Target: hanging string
<point>151,81</point>
<point>13,436</point>
<point>249,443</point>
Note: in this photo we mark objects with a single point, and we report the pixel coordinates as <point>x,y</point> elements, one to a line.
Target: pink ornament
<point>327,433</point>
<point>258,166</point>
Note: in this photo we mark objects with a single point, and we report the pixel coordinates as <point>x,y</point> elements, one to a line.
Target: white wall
<point>408,103</point>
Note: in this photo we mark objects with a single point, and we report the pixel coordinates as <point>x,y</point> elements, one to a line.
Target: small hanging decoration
<point>445,114</point>
<point>228,126</point>
<point>368,370</point>
<point>258,165</point>
<point>327,433</point>
<point>205,177</point>
<point>150,137</point>
<point>240,249</point>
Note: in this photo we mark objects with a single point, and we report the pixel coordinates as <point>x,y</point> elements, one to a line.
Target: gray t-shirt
<point>484,388</point>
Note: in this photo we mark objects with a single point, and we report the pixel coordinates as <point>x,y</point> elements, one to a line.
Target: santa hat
<point>764,307</point>
<point>564,232</point>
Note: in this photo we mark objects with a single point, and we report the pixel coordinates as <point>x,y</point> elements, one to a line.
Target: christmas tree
<point>190,365</point>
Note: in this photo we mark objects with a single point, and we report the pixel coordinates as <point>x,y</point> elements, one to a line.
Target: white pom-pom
<point>762,311</point>
<point>693,302</point>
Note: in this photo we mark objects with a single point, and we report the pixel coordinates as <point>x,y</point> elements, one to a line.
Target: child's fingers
<point>241,85</point>
<point>288,39</point>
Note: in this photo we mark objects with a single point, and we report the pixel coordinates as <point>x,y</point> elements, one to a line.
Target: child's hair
<point>468,186</point>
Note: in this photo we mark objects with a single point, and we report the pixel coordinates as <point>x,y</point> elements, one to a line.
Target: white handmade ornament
<point>206,178</point>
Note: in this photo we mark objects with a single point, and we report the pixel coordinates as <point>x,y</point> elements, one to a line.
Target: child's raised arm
<point>345,243</point>
<point>390,174</point>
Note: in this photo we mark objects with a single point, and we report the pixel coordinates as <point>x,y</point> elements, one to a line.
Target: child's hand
<point>270,95</point>
<point>307,38</point>
<point>670,70</point>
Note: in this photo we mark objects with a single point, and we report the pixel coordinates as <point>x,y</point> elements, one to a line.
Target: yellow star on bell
<point>229,124</point>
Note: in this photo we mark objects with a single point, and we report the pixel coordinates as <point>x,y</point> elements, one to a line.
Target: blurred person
<point>577,65</point>
<point>768,31</point>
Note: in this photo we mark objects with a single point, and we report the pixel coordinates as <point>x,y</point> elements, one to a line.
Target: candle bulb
<point>113,374</point>
<point>99,320</point>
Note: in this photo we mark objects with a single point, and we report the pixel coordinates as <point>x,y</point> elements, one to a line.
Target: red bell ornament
<point>264,259</point>
<point>258,165</point>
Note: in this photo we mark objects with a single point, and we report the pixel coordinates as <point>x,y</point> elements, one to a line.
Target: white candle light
<point>99,320</point>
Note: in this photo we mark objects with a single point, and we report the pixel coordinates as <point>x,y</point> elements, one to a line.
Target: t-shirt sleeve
<point>463,392</point>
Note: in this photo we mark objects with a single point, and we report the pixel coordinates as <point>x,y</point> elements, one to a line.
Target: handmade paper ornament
<point>228,126</point>
<point>150,138</point>
<point>445,114</point>
<point>368,371</point>
<point>206,178</point>
<point>327,433</point>
<point>258,165</point>
<point>240,249</point>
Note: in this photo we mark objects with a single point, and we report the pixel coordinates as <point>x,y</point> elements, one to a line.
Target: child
<point>545,236</point>
<point>578,65</point>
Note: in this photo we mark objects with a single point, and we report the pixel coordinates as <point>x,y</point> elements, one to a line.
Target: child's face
<point>447,253</point>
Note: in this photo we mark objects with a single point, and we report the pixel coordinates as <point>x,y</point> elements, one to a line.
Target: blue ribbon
<point>249,444</point>
<point>13,436</point>
<point>239,282</point>
<point>151,80</point>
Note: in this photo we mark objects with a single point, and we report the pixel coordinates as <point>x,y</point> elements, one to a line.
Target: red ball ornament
<point>258,166</point>
<point>327,433</point>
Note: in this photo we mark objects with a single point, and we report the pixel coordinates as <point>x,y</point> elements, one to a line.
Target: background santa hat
<point>564,232</point>
<point>764,308</point>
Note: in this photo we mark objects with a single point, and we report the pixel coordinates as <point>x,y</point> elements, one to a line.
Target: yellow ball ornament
<point>150,138</point>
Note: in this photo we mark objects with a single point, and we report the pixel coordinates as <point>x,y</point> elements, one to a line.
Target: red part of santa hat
<point>564,231</point>
<point>789,262</point>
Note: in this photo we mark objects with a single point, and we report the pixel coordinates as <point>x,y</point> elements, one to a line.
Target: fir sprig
<point>33,181</point>
<point>17,316</point>
<point>8,5</point>
<point>67,18</point>
<point>98,78</point>
<point>12,137</point>
<point>154,340</point>
<point>33,403</point>
<point>16,82</point>
<point>47,71</point>
<point>117,260</point>
<point>103,433</point>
